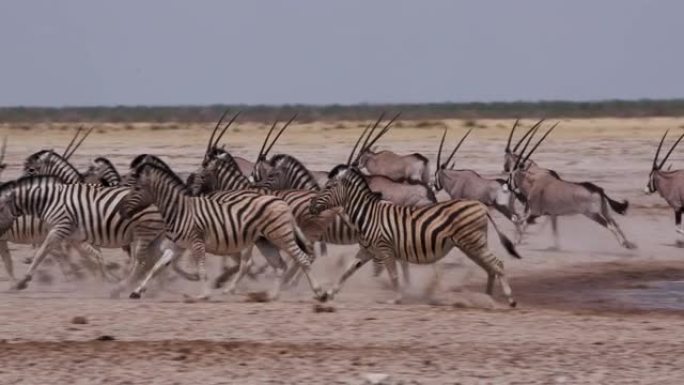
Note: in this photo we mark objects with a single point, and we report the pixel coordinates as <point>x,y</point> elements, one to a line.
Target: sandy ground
<point>570,326</point>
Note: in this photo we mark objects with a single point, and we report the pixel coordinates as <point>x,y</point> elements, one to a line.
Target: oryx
<point>669,184</point>
<point>547,194</point>
<point>468,184</point>
<point>413,167</point>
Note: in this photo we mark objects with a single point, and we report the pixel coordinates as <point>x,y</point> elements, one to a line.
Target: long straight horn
<point>268,136</point>
<point>365,142</point>
<point>73,139</point>
<point>73,149</point>
<point>510,135</point>
<point>670,152</point>
<point>457,147</point>
<point>356,145</point>
<point>4,148</point>
<point>532,131</point>
<point>441,144</point>
<point>218,124</point>
<point>381,133</point>
<point>539,142</point>
<point>527,133</point>
<point>660,145</point>
<point>280,133</point>
<point>218,138</point>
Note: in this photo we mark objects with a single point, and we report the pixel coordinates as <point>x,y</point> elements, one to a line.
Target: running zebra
<point>84,215</point>
<point>221,224</point>
<point>417,235</point>
<point>102,171</point>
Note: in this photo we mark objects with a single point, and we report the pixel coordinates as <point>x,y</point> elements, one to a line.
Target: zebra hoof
<point>21,285</point>
<point>324,296</point>
<point>134,295</point>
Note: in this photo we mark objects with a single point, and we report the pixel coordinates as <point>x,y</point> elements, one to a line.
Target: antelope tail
<point>507,244</point>
<point>618,207</point>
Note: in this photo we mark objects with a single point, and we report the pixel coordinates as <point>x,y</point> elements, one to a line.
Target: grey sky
<point>86,52</point>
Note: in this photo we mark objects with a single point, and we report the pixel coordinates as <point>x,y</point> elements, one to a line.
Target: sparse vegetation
<point>310,113</point>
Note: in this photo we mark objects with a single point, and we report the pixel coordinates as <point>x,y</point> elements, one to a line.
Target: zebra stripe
<point>417,235</point>
<point>86,215</point>
<point>222,223</point>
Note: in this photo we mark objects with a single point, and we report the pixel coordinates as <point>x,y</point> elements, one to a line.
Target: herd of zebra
<point>384,202</point>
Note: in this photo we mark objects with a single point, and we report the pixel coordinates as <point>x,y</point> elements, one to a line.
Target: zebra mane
<point>27,181</point>
<point>289,160</point>
<point>167,172</point>
<point>52,156</point>
<point>148,159</point>
<point>355,176</point>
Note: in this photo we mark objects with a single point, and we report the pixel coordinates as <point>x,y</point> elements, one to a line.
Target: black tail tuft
<point>507,244</point>
<point>618,207</point>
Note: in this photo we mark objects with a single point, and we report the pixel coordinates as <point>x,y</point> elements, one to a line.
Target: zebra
<point>417,235</point>
<point>102,171</point>
<point>263,165</point>
<point>86,215</point>
<point>220,173</point>
<point>220,224</point>
<point>48,162</point>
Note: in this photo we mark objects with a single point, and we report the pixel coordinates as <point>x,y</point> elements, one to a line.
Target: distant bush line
<point>310,113</point>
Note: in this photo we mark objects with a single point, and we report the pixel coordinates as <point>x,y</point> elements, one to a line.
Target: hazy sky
<point>87,52</point>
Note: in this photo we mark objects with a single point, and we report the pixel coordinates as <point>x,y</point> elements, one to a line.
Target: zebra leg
<point>405,272</point>
<point>324,249</point>
<point>199,254</point>
<point>245,262</point>
<point>125,283</point>
<point>391,265</point>
<point>479,253</point>
<point>362,256</point>
<point>227,272</point>
<point>7,260</point>
<point>53,238</point>
<point>167,257</point>
<point>88,248</point>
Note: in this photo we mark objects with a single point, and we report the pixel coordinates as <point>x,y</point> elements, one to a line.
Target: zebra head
<point>204,180</point>
<point>102,171</point>
<point>333,194</point>
<point>139,195</point>
<point>656,167</point>
<point>263,166</point>
<point>8,208</point>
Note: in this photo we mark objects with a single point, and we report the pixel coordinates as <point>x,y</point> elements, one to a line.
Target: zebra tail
<point>303,243</point>
<point>507,244</point>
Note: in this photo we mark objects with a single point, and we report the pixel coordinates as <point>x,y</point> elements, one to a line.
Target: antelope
<point>413,167</point>
<point>549,195</point>
<point>669,184</point>
<point>468,184</point>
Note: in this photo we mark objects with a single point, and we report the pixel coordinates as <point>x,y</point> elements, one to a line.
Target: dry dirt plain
<point>578,320</point>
